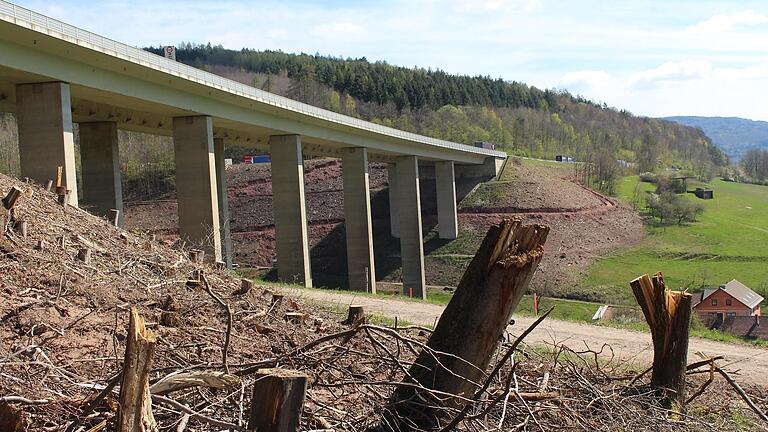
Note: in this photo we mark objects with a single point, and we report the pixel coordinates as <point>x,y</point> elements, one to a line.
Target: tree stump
<point>196,256</point>
<point>246,285</point>
<point>276,299</point>
<point>84,255</point>
<point>10,199</point>
<point>668,314</point>
<point>48,185</point>
<point>471,326</point>
<point>40,245</point>
<point>21,228</point>
<point>135,406</point>
<point>296,317</point>
<point>355,316</point>
<point>278,397</point>
<point>114,217</point>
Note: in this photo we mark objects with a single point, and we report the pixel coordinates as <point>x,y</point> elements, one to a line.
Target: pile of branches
<point>64,320</point>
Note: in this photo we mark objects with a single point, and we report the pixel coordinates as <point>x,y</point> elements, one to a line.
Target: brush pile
<point>69,281</point>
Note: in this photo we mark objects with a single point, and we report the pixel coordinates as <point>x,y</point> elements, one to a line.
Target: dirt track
<point>749,361</point>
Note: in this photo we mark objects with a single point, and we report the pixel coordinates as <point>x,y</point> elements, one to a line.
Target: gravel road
<point>746,360</point>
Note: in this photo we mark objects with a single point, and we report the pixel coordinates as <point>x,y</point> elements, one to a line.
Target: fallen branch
<point>228,311</point>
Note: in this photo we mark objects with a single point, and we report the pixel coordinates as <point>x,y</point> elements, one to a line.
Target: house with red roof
<point>733,299</point>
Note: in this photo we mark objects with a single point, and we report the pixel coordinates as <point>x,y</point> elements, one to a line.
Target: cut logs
<point>10,199</point>
<point>278,397</point>
<point>668,314</point>
<point>471,326</point>
<point>355,316</point>
<point>135,407</point>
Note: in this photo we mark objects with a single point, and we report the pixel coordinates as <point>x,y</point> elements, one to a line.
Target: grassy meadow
<point>729,241</point>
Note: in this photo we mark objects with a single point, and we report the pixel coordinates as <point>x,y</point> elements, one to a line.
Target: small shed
<point>704,193</point>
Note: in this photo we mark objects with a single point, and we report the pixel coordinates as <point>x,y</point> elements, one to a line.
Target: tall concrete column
<point>221,185</point>
<point>411,246</point>
<point>447,222</point>
<point>46,142</point>
<point>290,210</point>
<point>196,189</point>
<point>357,219</point>
<point>100,168</point>
<point>394,215</point>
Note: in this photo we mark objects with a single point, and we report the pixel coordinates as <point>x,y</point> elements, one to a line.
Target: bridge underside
<point>51,83</point>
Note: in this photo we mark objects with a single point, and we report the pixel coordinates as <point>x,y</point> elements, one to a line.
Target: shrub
<point>671,208</point>
<point>649,177</point>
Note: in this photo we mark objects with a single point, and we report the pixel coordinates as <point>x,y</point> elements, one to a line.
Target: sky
<point>651,57</point>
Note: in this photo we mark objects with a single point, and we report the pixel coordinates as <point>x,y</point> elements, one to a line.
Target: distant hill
<point>733,135</point>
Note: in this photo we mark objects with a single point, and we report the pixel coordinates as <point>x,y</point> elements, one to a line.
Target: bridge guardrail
<point>35,21</point>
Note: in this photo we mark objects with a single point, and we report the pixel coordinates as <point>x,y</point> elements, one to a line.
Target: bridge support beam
<point>447,222</point>
<point>394,215</point>
<point>357,220</point>
<point>409,207</point>
<point>223,201</point>
<point>290,212</point>
<point>196,189</point>
<point>46,141</point>
<point>100,168</point>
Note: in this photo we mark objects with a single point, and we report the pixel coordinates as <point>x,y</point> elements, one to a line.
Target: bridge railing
<point>55,28</point>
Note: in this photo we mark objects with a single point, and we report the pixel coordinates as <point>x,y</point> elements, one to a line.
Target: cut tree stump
<point>278,397</point>
<point>196,256</point>
<point>21,228</point>
<point>10,199</point>
<point>48,185</point>
<point>246,285</point>
<point>471,326</point>
<point>668,314</point>
<point>84,255</point>
<point>114,217</point>
<point>134,413</point>
<point>355,316</point>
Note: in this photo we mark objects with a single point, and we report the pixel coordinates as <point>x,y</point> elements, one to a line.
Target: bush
<point>649,177</point>
<point>671,208</point>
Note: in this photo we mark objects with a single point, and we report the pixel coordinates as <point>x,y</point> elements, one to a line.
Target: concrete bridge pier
<point>394,215</point>
<point>411,239</point>
<point>290,211</point>
<point>196,188</point>
<point>100,168</point>
<point>357,220</point>
<point>447,222</point>
<point>221,185</point>
<point>46,141</point>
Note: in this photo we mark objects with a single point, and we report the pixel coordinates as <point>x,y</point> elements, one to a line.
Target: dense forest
<point>521,119</point>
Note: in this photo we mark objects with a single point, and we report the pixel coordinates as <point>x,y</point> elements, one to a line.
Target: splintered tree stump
<point>196,256</point>
<point>470,328</point>
<point>668,314</point>
<point>278,397</point>
<point>134,413</point>
<point>355,316</point>
<point>114,217</point>
<point>10,199</point>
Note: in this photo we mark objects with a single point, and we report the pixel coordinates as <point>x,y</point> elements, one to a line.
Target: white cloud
<point>672,71</point>
<point>584,80</point>
<point>724,23</point>
<point>337,29</point>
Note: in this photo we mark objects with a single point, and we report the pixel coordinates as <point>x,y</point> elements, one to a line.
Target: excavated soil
<point>584,224</point>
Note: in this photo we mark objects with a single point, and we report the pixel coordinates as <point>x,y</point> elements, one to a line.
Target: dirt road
<point>749,361</point>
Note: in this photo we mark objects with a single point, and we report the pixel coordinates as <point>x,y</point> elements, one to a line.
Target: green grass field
<point>730,241</point>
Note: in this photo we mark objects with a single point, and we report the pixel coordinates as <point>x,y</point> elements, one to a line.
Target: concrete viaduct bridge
<point>53,74</point>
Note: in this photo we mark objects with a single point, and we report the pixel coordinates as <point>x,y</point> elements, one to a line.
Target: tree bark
<point>668,314</point>
<point>471,326</point>
<point>278,398</point>
<point>135,408</point>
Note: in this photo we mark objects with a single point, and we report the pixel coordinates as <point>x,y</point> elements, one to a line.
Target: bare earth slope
<point>584,223</point>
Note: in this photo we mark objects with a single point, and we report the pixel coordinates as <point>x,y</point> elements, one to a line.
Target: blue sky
<point>652,57</point>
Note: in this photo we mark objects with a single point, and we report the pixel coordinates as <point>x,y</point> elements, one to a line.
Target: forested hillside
<point>522,119</point>
<point>732,134</point>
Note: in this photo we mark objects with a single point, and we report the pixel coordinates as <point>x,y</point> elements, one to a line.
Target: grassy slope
<point>729,241</point>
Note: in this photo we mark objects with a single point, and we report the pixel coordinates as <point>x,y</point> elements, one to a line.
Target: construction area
<point>104,329</point>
